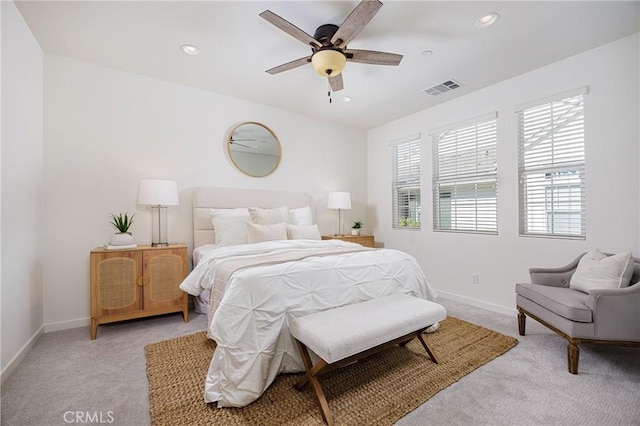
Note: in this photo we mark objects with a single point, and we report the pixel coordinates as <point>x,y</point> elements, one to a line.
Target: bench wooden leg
<point>312,371</point>
<point>419,334</point>
<point>310,376</point>
<point>426,347</point>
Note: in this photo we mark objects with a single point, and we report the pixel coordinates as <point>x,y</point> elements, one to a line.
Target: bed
<point>255,288</point>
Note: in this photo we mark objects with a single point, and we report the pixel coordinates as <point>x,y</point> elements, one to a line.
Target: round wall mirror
<point>254,149</point>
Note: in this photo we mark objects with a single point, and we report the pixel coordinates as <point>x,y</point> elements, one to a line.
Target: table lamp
<point>339,201</point>
<point>158,194</point>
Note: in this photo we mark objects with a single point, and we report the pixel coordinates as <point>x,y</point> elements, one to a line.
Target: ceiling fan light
<point>328,62</point>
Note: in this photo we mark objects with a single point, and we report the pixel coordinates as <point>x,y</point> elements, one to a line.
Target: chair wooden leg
<point>522,322</point>
<point>573,356</point>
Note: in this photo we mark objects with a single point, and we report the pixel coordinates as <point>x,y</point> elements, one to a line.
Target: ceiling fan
<point>329,52</point>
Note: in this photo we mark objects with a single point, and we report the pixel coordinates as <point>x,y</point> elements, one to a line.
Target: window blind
<point>406,202</point>
<point>552,168</point>
<point>465,177</point>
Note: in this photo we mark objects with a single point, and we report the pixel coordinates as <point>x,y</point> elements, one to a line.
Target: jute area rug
<point>376,391</point>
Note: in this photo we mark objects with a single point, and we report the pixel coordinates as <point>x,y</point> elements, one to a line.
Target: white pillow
<point>301,216</point>
<point>229,226</point>
<point>297,232</point>
<point>259,233</point>
<point>597,270</point>
<point>269,216</point>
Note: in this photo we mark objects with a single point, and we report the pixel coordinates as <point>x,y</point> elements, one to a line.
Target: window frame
<point>568,172</point>
<point>478,214</point>
<point>410,180</point>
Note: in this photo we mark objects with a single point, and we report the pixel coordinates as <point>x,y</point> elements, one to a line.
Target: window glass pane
<point>552,168</point>
<point>406,185</point>
<point>465,178</point>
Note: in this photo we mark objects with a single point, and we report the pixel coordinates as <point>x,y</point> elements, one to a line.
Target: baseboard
<point>17,359</point>
<point>66,325</point>
<point>512,312</point>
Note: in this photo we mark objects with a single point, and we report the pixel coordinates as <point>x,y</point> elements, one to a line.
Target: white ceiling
<point>144,37</point>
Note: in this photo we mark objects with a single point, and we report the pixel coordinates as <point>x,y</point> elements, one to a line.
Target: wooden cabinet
<point>365,240</point>
<point>135,283</point>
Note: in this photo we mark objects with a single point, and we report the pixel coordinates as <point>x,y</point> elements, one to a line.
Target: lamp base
<point>159,226</point>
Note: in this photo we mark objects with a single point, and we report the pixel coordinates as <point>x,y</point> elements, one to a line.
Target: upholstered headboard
<point>207,198</point>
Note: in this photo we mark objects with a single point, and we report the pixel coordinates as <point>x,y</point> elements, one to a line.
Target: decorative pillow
<point>597,270</point>
<point>269,216</point>
<point>259,233</point>
<point>229,226</point>
<point>301,216</point>
<point>297,232</point>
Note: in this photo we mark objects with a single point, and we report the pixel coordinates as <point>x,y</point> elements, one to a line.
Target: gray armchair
<point>603,316</point>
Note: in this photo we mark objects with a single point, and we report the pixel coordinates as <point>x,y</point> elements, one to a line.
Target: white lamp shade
<point>157,192</point>
<point>339,200</point>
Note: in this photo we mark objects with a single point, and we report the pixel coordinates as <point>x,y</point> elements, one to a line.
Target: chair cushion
<point>597,270</point>
<point>568,303</point>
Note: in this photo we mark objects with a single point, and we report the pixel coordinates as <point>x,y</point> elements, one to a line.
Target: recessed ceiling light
<point>190,50</point>
<point>427,53</point>
<point>487,20</point>
<point>347,99</point>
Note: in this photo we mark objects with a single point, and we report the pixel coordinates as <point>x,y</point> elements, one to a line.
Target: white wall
<point>21,159</point>
<point>612,186</point>
<point>106,129</point>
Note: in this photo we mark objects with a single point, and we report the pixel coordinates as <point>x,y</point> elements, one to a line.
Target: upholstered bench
<point>342,335</point>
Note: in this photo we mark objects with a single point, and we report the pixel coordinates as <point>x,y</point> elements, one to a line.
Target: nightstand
<point>365,240</point>
<point>136,283</point>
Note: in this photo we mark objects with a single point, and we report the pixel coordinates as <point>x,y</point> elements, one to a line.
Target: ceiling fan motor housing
<point>324,33</point>
<point>328,61</point>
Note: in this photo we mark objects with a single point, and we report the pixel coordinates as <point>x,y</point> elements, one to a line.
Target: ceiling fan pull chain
<point>329,92</point>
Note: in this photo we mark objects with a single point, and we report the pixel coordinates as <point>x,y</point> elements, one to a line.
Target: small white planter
<point>121,239</point>
<point>355,232</point>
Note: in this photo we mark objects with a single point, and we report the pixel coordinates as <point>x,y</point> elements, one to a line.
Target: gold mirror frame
<point>254,149</point>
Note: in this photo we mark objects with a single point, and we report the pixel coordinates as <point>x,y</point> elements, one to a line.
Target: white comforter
<point>251,323</point>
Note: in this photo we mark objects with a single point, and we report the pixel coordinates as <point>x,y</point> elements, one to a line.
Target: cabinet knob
<point>142,281</point>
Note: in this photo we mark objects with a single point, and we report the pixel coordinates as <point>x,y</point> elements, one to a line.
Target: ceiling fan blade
<point>373,57</point>
<point>290,65</point>
<point>355,22</point>
<point>336,83</point>
<point>289,28</point>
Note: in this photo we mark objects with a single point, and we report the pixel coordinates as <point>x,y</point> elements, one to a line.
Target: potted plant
<point>356,227</point>
<point>122,222</point>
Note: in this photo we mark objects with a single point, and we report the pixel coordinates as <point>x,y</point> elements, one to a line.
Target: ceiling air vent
<point>443,87</point>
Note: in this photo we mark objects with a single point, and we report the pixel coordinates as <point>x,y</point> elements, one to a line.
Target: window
<point>552,166</point>
<point>465,176</point>
<point>406,183</point>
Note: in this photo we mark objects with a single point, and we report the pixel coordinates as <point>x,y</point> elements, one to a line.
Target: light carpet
<point>376,391</point>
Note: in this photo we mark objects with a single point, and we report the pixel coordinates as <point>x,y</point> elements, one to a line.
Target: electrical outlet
<point>474,279</point>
